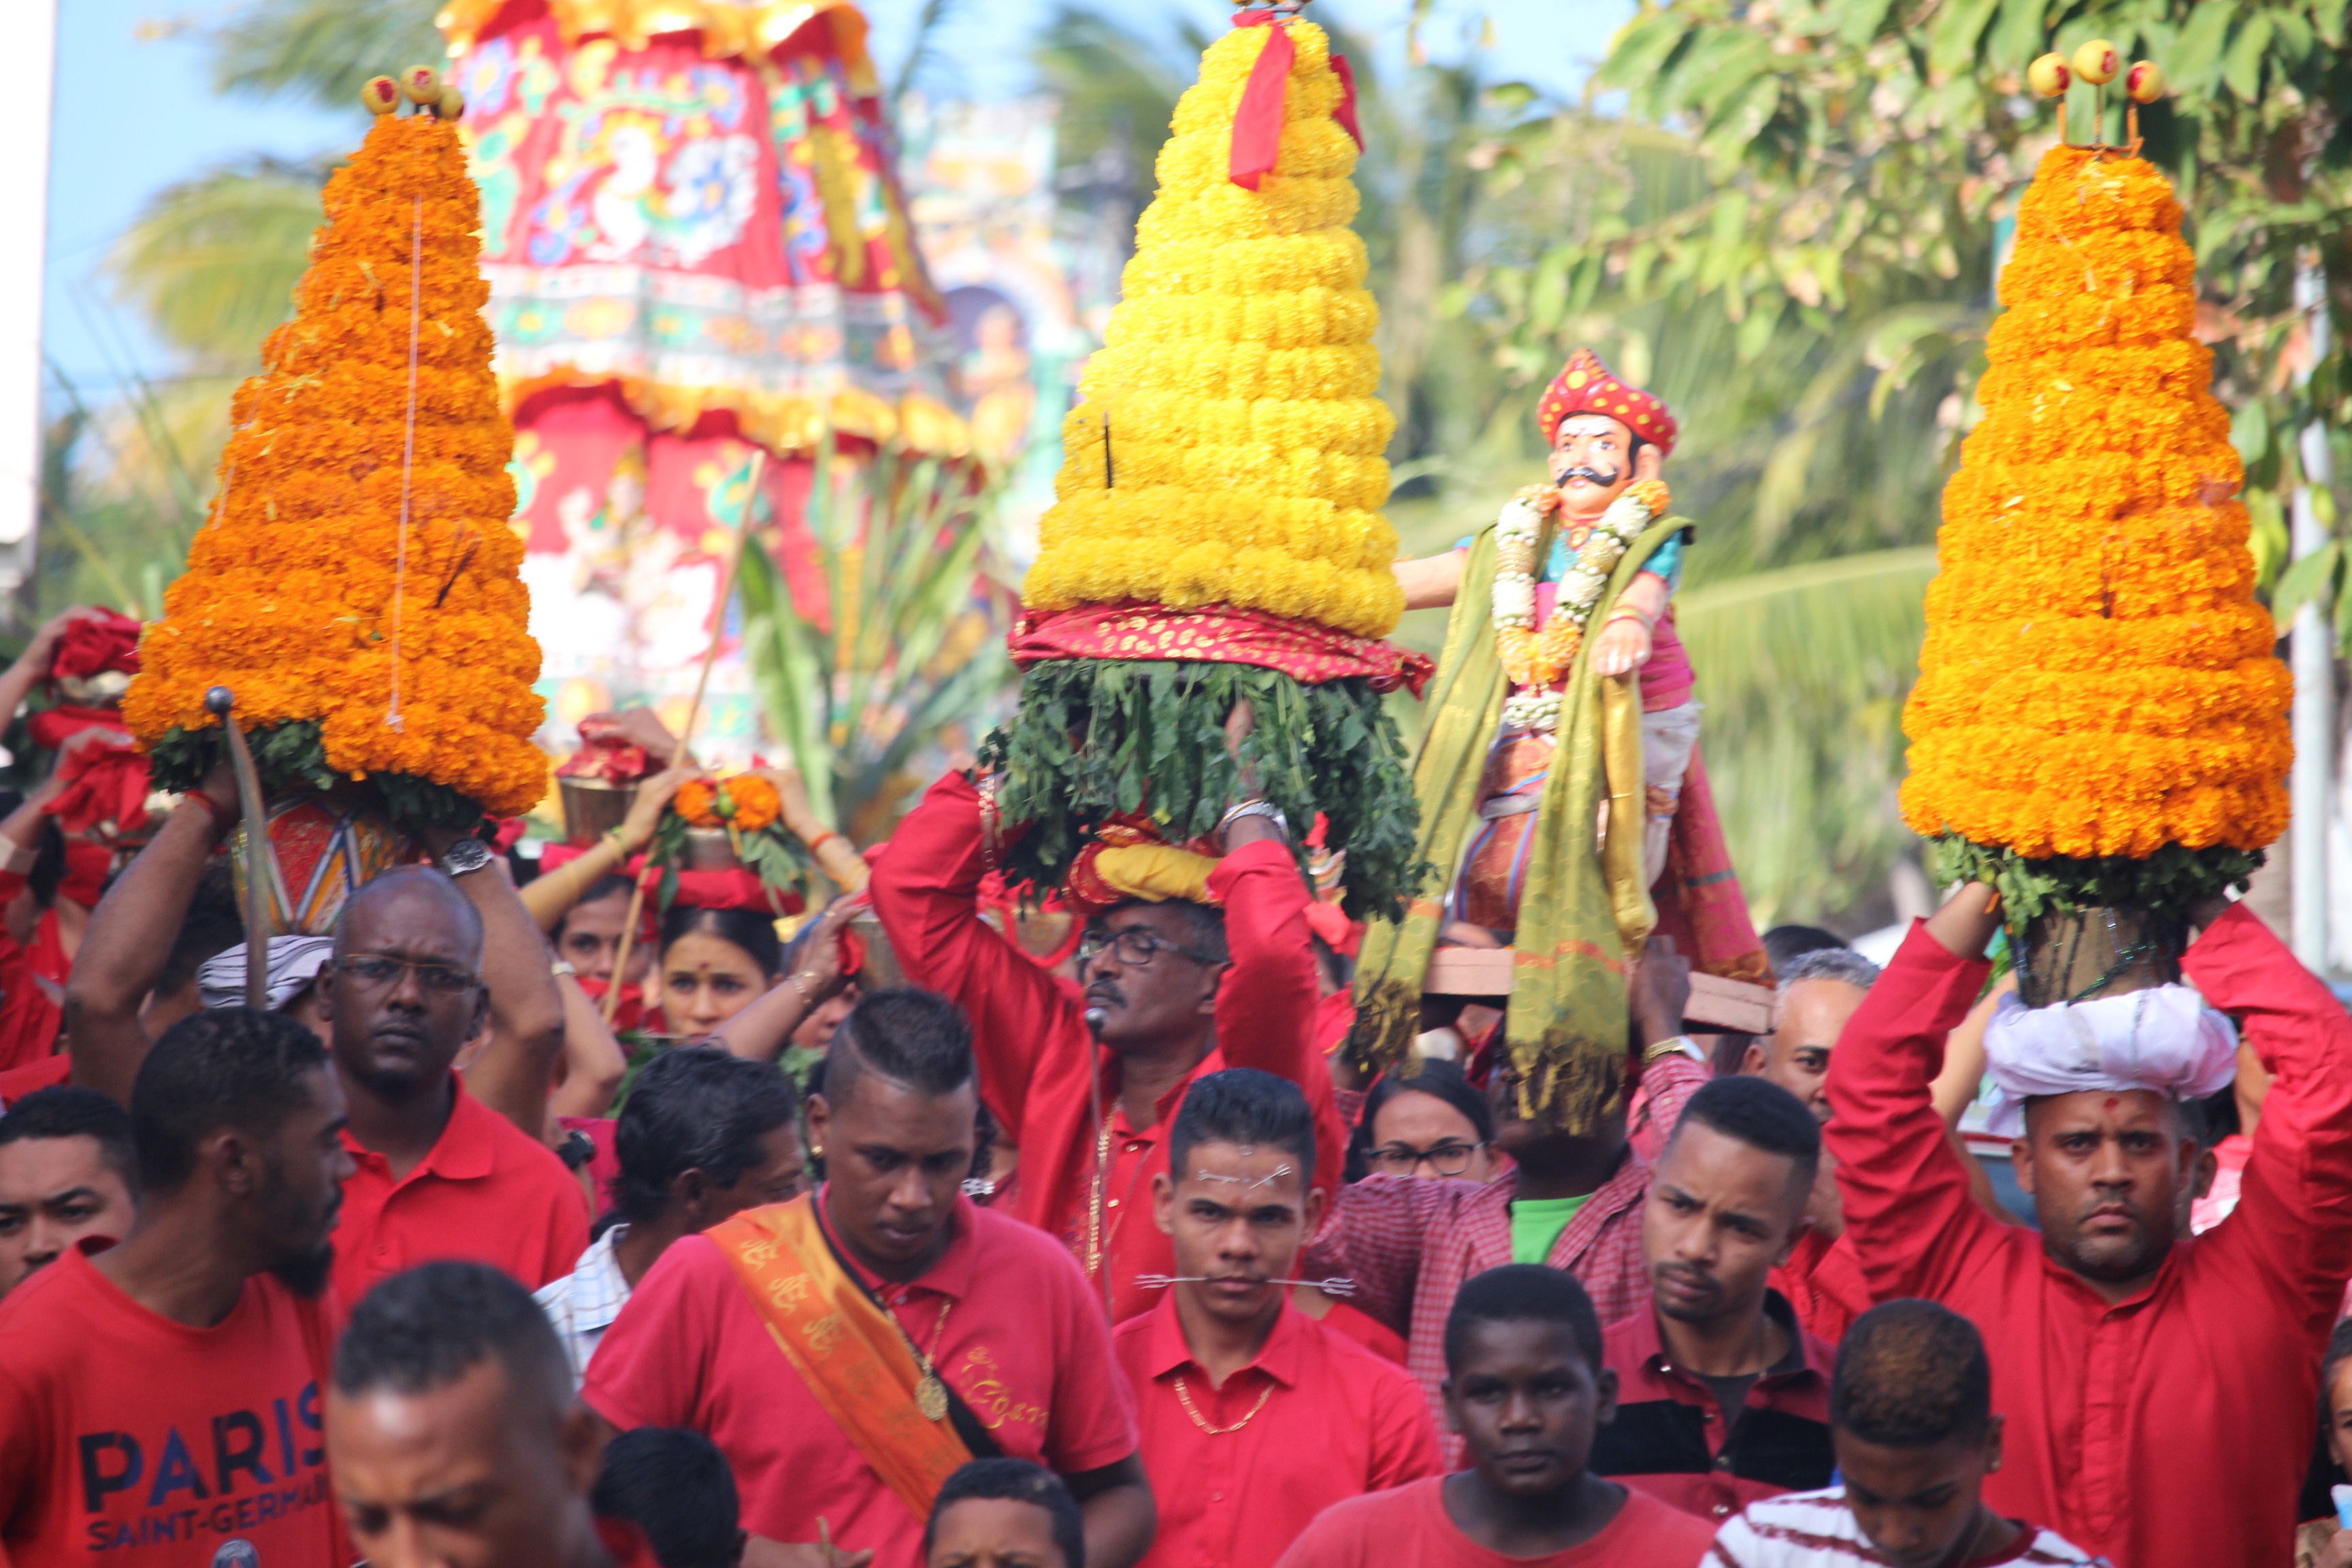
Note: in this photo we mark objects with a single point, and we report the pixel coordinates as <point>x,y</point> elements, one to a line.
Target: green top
<point>1536,1225</point>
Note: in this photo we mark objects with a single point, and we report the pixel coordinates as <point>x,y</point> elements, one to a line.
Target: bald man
<point>439,1175</point>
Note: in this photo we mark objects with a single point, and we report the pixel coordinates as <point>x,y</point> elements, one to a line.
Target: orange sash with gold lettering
<point>850,1355</point>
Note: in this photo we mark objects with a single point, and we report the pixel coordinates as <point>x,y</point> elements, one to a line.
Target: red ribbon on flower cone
<point>1346,114</point>
<point>1257,121</point>
<point>1257,124</point>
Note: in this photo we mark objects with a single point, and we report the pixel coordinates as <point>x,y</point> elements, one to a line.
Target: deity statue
<point>1562,798</point>
<point>1606,438</point>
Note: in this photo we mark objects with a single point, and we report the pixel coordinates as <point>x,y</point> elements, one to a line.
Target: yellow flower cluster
<point>296,595</point>
<point>1242,464</point>
<point>2098,678</point>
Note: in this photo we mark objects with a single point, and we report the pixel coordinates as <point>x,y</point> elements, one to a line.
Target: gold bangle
<point>805,984</point>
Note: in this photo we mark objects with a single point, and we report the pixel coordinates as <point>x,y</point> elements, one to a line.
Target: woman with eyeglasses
<point>1433,1124</point>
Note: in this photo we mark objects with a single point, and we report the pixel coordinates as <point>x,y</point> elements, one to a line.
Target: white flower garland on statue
<point>1535,664</point>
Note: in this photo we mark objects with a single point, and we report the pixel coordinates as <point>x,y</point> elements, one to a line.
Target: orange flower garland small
<point>2097,678</point>
<point>746,803</point>
<point>297,592</point>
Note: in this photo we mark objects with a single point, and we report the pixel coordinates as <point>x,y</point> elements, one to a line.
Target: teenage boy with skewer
<point>1256,1418</point>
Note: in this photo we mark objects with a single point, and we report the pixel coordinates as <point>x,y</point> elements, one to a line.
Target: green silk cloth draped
<point>1584,910</point>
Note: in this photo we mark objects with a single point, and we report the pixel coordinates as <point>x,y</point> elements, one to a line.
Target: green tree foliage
<point>1792,231</point>
<point>905,663</point>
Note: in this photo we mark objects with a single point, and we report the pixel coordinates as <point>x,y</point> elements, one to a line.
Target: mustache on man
<point>1604,478</point>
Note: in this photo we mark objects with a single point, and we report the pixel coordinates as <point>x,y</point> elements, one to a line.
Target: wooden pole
<point>693,714</point>
<point>220,700</point>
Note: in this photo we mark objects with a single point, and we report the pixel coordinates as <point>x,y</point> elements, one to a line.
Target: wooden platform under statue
<point>1733,1006</point>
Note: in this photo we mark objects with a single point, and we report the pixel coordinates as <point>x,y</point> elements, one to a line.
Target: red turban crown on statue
<point>1588,387</point>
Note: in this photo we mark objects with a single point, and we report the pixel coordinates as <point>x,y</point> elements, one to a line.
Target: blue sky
<point>135,114</point>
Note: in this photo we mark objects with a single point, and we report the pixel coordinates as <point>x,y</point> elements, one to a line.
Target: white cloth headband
<point>294,962</point>
<point>2165,1039</point>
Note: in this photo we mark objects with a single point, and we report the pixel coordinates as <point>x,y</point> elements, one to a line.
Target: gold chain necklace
<point>1185,1397</point>
<point>930,1393</point>
<point>1098,1243</point>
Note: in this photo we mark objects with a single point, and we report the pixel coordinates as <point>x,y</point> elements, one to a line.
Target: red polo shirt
<point>1670,1439</point>
<point>129,1438</point>
<point>1320,1419</point>
<point>1030,1036</point>
<point>1410,1525</point>
<point>1022,1339</point>
<point>483,1193</point>
<point>2172,1430</point>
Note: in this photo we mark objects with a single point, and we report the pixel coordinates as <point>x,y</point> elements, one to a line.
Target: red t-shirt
<point>1410,1525</point>
<point>127,1438</point>
<point>1319,1419</point>
<point>1023,1342</point>
<point>483,1193</point>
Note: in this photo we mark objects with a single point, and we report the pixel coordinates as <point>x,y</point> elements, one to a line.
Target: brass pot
<point>2098,952</point>
<point>592,807</point>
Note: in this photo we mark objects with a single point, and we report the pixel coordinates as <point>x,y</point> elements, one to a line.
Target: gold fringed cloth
<point>1583,910</point>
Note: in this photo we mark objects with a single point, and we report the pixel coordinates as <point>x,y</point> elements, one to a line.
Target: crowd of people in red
<point>1019,1263</point>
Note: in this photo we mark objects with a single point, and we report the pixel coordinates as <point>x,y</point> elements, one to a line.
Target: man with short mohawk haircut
<point>1911,1419</point>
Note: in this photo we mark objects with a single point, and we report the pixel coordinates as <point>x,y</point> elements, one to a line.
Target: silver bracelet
<point>1259,807</point>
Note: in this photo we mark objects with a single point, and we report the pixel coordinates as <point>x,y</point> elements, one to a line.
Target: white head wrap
<point>2165,1039</point>
<point>294,962</point>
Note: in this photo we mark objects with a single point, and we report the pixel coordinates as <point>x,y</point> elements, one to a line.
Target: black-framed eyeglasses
<point>1449,1158</point>
<point>379,970</point>
<point>1135,947</point>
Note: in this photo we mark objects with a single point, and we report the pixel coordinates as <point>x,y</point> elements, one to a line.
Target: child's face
<point>2339,1418</point>
<point>1917,1505</point>
<point>1526,1404</point>
<point>995,1533</point>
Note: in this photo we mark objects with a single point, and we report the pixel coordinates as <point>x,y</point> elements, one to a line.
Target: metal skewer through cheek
<point>1338,1285</point>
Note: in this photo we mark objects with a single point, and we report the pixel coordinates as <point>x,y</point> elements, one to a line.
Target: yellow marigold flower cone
<point>2098,678</point>
<point>343,533</point>
<point>1217,543</point>
<point>1238,376</point>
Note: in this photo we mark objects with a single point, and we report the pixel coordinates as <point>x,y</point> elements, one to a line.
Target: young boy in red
<point>1525,1389</point>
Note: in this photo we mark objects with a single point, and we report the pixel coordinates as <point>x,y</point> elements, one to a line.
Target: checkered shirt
<point>1409,1242</point>
<point>583,1303</point>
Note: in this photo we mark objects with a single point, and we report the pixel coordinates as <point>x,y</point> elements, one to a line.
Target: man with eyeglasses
<point>427,959</point>
<point>1187,985</point>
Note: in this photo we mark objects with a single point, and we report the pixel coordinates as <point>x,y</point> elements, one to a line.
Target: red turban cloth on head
<point>1588,387</point>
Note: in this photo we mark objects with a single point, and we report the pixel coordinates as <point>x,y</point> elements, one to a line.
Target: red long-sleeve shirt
<point>1029,1029</point>
<point>2174,1428</point>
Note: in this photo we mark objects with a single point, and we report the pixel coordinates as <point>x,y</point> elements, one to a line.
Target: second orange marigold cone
<point>2100,719</point>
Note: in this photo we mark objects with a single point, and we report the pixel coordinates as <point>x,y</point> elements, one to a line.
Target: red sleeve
<point>1267,1004</point>
<point>1907,1208</point>
<point>649,1368</point>
<point>926,889</point>
<point>1093,1420</point>
<point>2293,1218</point>
<point>1404,1437</point>
<point>1373,1237</point>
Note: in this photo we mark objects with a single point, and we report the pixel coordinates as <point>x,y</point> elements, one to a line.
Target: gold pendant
<point>931,1398</point>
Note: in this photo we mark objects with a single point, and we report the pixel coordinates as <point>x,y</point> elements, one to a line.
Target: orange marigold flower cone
<point>350,544</point>
<point>2098,678</point>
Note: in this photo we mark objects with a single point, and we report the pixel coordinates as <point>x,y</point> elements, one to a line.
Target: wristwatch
<point>1673,1046</point>
<point>466,855</point>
